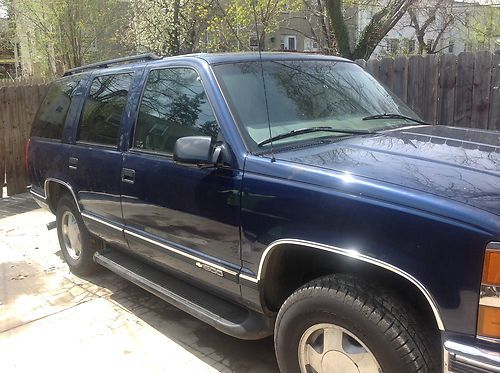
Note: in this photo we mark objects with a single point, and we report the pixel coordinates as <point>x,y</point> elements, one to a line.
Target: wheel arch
<point>55,189</point>
<point>281,254</point>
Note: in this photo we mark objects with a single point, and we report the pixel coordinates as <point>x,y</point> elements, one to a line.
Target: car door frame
<point>200,262</point>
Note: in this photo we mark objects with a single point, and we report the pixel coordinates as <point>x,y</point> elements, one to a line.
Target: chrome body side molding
<point>102,221</point>
<point>51,179</point>
<point>180,252</point>
<point>354,255</point>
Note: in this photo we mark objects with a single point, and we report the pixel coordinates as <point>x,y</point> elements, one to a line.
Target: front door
<point>185,219</point>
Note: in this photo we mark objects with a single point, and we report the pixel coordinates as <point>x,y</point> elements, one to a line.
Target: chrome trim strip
<point>109,224</point>
<point>488,339</point>
<point>476,357</point>
<point>493,246</point>
<point>38,195</point>
<point>355,255</point>
<point>173,249</point>
<point>249,278</point>
<point>49,179</point>
<point>489,296</point>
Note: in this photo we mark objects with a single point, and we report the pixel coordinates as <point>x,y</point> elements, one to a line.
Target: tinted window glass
<point>49,122</point>
<point>174,105</point>
<point>305,94</point>
<point>103,109</point>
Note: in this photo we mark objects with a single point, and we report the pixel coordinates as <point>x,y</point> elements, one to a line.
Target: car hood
<point>461,164</point>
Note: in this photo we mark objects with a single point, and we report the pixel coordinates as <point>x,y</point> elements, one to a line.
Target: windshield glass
<point>303,94</point>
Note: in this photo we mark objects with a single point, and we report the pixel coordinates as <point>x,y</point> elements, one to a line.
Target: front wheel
<point>341,324</point>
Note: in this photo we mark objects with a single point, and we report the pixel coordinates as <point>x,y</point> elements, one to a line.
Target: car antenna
<point>273,159</point>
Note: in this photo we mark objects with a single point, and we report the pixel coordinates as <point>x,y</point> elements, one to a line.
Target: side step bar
<point>221,314</point>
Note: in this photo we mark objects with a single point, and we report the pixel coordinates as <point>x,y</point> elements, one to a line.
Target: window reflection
<point>304,94</point>
<point>104,108</point>
<point>174,105</point>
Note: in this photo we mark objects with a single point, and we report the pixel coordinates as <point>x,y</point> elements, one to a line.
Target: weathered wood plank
<point>430,88</point>
<point>372,66</point>
<point>494,102</point>
<point>400,80</point>
<point>447,79</point>
<point>463,90</point>
<point>415,84</point>
<point>481,89</point>
<point>386,72</point>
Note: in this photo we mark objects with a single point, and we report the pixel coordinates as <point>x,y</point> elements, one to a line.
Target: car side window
<point>174,104</point>
<point>102,113</point>
<point>50,119</point>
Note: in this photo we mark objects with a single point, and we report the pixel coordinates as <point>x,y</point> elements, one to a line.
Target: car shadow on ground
<point>203,341</point>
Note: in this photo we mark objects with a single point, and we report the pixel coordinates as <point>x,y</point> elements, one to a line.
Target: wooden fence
<point>18,106</point>
<point>461,90</point>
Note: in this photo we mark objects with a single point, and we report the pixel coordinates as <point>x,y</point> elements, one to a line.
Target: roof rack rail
<point>116,61</point>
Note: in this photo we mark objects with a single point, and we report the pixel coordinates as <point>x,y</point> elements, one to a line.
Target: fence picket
<point>400,80</point>
<point>481,90</point>
<point>429,90</point>
<point>415,84</point>
<point>463,89</point>
<point>447,79</point>
<point>386,72</point>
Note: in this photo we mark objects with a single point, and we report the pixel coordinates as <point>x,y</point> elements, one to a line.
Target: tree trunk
<point>335,11</point>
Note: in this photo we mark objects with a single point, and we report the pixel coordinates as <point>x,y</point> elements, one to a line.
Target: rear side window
<point>174,105</point>
<point>50,119</point>
<point>103,109</point>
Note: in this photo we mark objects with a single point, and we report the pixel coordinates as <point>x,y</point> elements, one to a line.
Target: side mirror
<point>194,150</point>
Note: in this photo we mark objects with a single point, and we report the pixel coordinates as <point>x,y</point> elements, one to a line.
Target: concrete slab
<point>51,320</point>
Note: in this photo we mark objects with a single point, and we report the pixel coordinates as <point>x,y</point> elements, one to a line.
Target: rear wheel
<point>77,244</point>
<point>341,324</point>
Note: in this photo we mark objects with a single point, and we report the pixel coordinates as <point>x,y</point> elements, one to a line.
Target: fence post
<point>3,126</point>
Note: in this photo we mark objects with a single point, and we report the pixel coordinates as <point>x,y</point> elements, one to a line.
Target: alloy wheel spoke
<point>314,358</point>
<point>332,339</point>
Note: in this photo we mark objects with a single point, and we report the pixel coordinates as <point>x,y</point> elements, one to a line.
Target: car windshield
<point>303,94</point>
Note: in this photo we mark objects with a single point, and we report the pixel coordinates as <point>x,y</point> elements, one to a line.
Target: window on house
<point>451,46</point>
<point>411,46</point>
<point>289,42</point>
<point>254,41</point>
<point>393,45</point>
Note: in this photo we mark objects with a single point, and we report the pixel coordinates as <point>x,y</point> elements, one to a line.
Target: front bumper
<point>461,358</point>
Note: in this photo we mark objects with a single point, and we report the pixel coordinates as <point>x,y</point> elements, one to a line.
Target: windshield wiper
<point>311,130</point>
<point>396,116</point>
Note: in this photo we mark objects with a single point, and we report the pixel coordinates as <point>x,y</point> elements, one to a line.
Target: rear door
<point>182,218</point>
<point>94,162</point>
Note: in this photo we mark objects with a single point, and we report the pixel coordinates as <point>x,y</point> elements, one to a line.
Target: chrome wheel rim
<point>328,348</point>
<point>71,235</point>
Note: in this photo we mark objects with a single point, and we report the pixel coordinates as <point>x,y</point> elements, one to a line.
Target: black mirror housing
<point>193,150</point>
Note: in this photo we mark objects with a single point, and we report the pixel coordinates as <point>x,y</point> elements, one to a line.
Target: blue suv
<point>280,194</point>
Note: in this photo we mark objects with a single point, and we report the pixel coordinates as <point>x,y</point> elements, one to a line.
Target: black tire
<point>84,264</point>
<point>378,318</point>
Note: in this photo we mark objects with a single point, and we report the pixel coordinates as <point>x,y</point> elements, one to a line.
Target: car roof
<point>210,58</point>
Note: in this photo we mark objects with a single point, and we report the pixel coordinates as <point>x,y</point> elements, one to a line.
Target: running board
<point>219,313</point>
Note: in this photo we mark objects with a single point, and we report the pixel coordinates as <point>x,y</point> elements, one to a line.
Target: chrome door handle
<point>128,175</point>
<point>73,163</point>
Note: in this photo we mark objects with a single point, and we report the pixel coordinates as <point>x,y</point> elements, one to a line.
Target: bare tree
<point>433,18</point>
